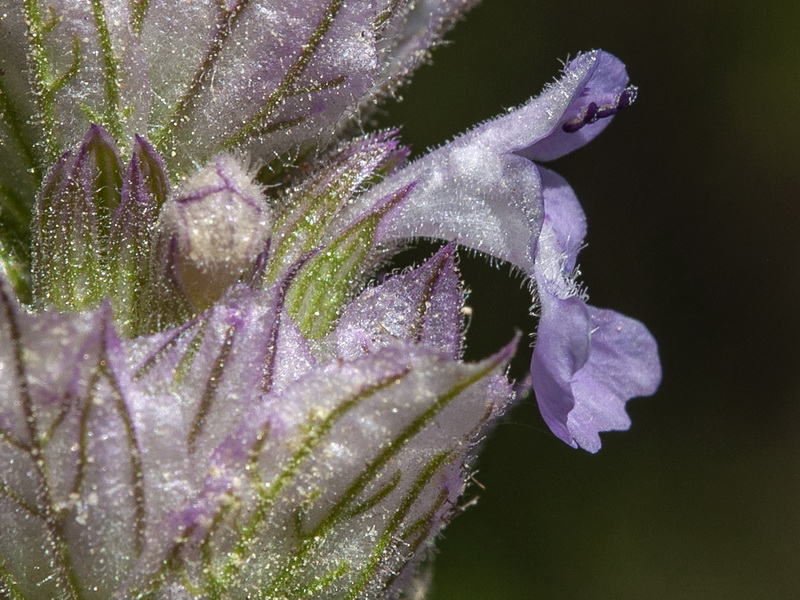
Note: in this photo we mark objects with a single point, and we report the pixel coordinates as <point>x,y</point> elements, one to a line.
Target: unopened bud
<point>72,222</point>
<point>216,224</point>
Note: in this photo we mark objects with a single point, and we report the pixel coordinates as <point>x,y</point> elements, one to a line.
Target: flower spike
<point>201,394</point>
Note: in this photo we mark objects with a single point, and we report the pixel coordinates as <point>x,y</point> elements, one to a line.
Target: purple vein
<point>426,299</point>
<point>226,21</point>
<point>290,78</point>
<point>56,540</point>
<point>210,391</point>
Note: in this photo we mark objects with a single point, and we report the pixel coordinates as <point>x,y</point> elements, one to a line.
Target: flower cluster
<point>201,392</point>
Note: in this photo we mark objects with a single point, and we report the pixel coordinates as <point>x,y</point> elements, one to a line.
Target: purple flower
<point>484,190</point>
<point>203,390</point>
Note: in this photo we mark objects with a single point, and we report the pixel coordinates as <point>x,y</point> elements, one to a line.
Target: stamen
<point>593,113</point>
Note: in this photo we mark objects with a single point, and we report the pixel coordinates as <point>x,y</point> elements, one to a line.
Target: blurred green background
<point>692,203</point>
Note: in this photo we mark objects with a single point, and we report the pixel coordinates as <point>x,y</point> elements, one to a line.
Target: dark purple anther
<point>627,97</point>
<point>572,126</point>
<point>590,116</point>
<point>593,113</point>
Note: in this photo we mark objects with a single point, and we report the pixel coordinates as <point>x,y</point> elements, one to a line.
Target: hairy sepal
<point>72,223</point>
<point>330,277</point>
<point>422,306</point>
<point>132,234</point>
<point>94,229</point>
<point>308,210</point>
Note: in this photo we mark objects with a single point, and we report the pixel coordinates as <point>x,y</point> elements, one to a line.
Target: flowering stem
<point>197,384</point>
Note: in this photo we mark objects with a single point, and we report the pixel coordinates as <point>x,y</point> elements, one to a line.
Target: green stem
<point>42,75</point>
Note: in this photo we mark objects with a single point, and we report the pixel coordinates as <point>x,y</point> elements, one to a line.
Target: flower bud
<point>71,224</point>
<point>214,228</point>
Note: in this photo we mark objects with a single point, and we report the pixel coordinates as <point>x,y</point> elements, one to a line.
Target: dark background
<point>692,203</point>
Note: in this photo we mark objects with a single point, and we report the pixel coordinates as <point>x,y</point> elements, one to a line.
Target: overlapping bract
<point>193,78</point>
<point>225,455</point>
<point>255,74</point>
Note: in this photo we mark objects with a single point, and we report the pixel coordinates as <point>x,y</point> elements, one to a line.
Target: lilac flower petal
<point>484,190</point>
<point>422,305</point>
<point>563,345</point>
<point>587,362</point>
<point>593,89</point>
<point>562,238</point>
<point>474,190</point>
<point>623,363</point>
